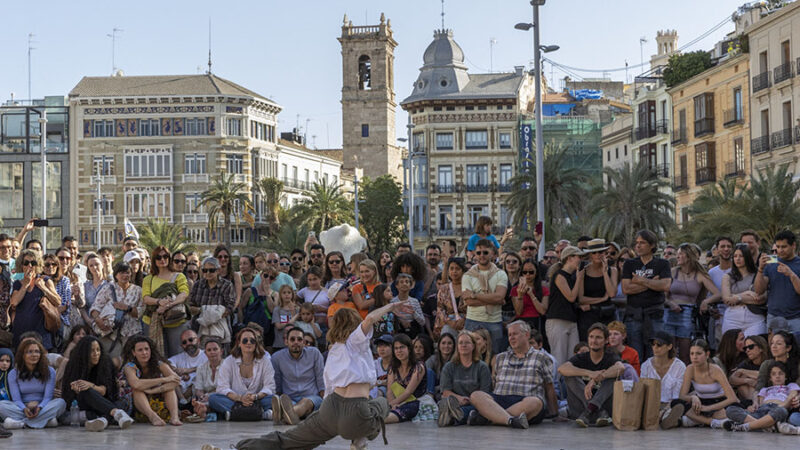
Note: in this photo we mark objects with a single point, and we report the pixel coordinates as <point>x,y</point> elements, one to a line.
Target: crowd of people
<point>487,334</point>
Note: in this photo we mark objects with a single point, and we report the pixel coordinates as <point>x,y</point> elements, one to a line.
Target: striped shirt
<point>525,376</point>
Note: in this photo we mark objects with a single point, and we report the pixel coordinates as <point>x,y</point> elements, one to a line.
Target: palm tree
<point>271,190</point>
<point>287,239</point>
<point>772,202</point>
<point>565,189</point>
<point>225,197</point>
<point>633,199</point>
<point>159,232</point>
<point>326,207</point>
<point>714,212</point>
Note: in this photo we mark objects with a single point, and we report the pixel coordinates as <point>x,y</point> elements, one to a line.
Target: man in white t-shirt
<point>483,288</point>
<point>186,363</point>
<point>724,246</point>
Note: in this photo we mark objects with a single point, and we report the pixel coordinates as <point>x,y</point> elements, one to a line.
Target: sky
<point>287,50</point>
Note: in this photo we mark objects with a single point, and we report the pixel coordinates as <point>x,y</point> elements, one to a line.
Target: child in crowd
<point>774,402</point>
<point>6,363</point>
<point>383,363</point>
<point>283,314</point>
<point>340,295</point>
<point>410,323</point>
<point>580,347</point>
<point>305,321</point>
<point>383,295</point>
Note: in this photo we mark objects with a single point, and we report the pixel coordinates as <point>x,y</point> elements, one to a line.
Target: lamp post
<point>43,148</point>
<point>410,186</point>
<point>98,179</point>
<point>537,66</point>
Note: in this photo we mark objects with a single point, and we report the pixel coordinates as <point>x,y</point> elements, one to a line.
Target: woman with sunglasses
<point>664,366</point>
<point>512,266</point>
<point>117,309</point>
<point>245,377</point>
<point>178,261</point>
<point>284,264</point>
<point>746,309</point>
<point>745,375</point>
<point>28,297</point>
<point>599,285</point>
<point>192,273</point>
<point>164,293</point>
<point>530,298</point>
<point>223,255</point>
<point>335,271</point>
<point>212,301</point>
<point>95,281</point>
<point>562,317</point>
<point>68,288</point>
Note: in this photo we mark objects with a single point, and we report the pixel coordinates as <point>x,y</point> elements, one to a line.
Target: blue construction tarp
<point>557,109</point>
<point>584,94</point>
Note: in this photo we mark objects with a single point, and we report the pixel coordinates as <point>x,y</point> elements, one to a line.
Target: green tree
<point>683,66</point>
<point>271,190</point>
<point>714,212</point>
<point>632,199</point>
<point>221,198</point>
<point>287,239</point>
<point>325,208</point>
<point>381,212</point>
<point>565,190</point>
<point>158,232</point>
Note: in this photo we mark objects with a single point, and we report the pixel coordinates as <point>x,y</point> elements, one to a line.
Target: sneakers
<point>277,412</point>
<point>98,424</point>
<point>4,433</point>
<point>209,447</point>
<point>11,424</point>
<point>359,444</point>
<point>227,416</point>
<point>289,417</point>
<point>476,419</point>
<point>586,419</point>
<point>52,423</point>
<point>688,423</point>
<point>787,428</point>
<point>730,426</point>
<point>602,419</point>
<point>449,412</point>
<point>267,415</point>
<point>672,417</point>
<point>519,422</point>
<point>720,424</point>
<point>123,419</point>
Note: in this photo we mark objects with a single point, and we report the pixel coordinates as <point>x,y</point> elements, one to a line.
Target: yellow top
<point>151,283</point>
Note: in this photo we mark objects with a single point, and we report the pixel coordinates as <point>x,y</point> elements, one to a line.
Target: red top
<point>528,310</point>
<point>631,356</point>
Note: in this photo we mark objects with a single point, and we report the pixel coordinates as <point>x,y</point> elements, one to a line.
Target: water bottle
<point>74,414</point>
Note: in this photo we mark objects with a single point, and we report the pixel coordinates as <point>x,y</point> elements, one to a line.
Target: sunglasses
<point>286,264</point>
<point>657,344</point>
<point>209,270</point>
<point>193,272</point>
<point>48,265</point>
<point>188,341</point>
<point>65,258</point>
<point>161,257</point>
<point>273,261</point>
<point>334,261</point>
<point>483,252</point>
<point>296,339</point>
<point>749,347</point>
<point>297,258</point>
<point>528,248</point>
<point>550,257</point>
<point>179,261</point>
<point>248,340</point>
<point>223,257</point>
<point>529,272</point>
<point>30,262</point>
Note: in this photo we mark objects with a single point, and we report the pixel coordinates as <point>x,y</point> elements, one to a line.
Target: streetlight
<point>410,128</point>
<point>43,147</point>
<point>537,65</point>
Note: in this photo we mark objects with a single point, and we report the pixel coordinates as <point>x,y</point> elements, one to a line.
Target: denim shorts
<point>680,324</point>
<point>406,411</point>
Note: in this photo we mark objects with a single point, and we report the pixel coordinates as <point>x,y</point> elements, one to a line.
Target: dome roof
<point>443,51</point>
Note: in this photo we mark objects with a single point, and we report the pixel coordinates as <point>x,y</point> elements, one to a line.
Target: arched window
<point>364,73</point>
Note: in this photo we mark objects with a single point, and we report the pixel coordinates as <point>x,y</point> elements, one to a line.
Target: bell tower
<point>368,101</point>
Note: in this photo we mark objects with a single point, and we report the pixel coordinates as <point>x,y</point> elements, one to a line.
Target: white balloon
<point>343,238</point>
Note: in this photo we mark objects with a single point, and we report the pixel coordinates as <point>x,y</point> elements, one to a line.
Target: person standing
<point>724,246</point>
<point>781,281</point>
<point>484,292</point>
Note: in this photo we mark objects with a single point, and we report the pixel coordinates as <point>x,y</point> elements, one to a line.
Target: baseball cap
<point>130,256</point>
<point>386,339</point>
<point>334,289</point>
<point>663,337</point>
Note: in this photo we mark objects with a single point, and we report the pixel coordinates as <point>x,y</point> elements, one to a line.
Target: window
<point>284,172</point>
<point>609,155</point>
<point>233,127</point>
<point>477,175</point>
<point>364,130</point>
<point>334,180</point>
<point>475,211</point>
<point>103,128</point>
<point>445,217</point>
<point>195,127</point>
<point>505,216</point>
<point>738,154</point>
<point>648,155</point>
<point>505,174</point>
<point>316,176</point>
<point>324,178</point>
<point>625,148</point>
<point>482,108</point>
<point>145,202</point>
<point>616,154</point>
<point>419,142</point>
<point>191,204</point>
<point>444,141</point>
<point>106,206</point>
<point>738,113</point>
<point>11,186</point>
<point>505,140</point>
<point>103,165</point>
<point>420,174</point>
<point>194,163</point>
<point>149,127</point>
<point>235,164</point>
<point>238,236</point>
<point>148,162</point>
<point>196,235</point>
<point>685,214</point>
<point>306,176</point>
<point>364,73</point>
<point>445,178</point>
<point>477,139</point>
<point>705,163</point>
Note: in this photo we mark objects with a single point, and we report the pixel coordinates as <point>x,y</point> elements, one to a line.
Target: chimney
<point>518,70</point>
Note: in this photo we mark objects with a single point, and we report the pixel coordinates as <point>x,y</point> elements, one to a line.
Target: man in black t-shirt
<point>590,380</point>
<point>645,279</point>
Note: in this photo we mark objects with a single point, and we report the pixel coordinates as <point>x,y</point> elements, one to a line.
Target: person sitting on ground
<point>6,361</point>
<point>89,380</point>
<point>464,374</point>
<point>774,403</point>
<point>745,376</point>
<point>406,382</point>
<point>666,367</point>
<point>31,384</point>
<point>523,379</point>
<point>616,342</point>
<point>205,380</point>
<point>445,349</point>
<point>299,383</point>
<point>730,352</point>
<point>185,363</point>
<point>383,347</point>
<point>590,380</point>
<point>784,349</point>
<point>484,342</point>
<point>245,377</point>
<point>152,382</point>
<point>705,392</point>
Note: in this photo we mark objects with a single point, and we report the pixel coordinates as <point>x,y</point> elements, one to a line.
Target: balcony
<point>734,169</point>
<point>680,182</point>
<point>761,81</point>
<point>444,188</point>
<point>783,72</point>
<point>661,170</point>
<point>109,219</point>
<point>105,179</point>
<point>705,175</point>
<point>645,131</point>
<point>732,117</point>
<point>662,126</point>
<point>194,218</point>
<point>194,178</point>
<point>703,126</point>
<point>504,187</point>
<point>759,145</point>
<point>445,232</point>
<point>782,138</point>
<point>296,184</point>
<point>679,136</point>
<point>476,188</point>
<point>239,178</point>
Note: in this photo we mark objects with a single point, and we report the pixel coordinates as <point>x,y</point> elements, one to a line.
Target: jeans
<point>221,404</point>
<point>794,419</point>
<point>679,324</point>
<point>315,399</point>
<point>739,414</point>
<point>576,399</point>
<point>794,325</point>
<point>637,338</point>
<point>51,410</point>
<point>495,330</point>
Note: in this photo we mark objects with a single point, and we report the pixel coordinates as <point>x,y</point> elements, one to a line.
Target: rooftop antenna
<point>30,47</point>
<point>642,41</point>
<point>113,37</point>
<point>492,41</point>
<point>442,14</point>
<point>209,46</point>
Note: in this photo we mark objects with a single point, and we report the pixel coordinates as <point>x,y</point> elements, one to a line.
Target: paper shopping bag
<point>652,403</point>
<point>627,411</point>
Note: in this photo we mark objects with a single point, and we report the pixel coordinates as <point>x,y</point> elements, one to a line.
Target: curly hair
<point>419,267</point>
<point>41,371</point>
<point>152,369</point>
<point>79,367</point>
